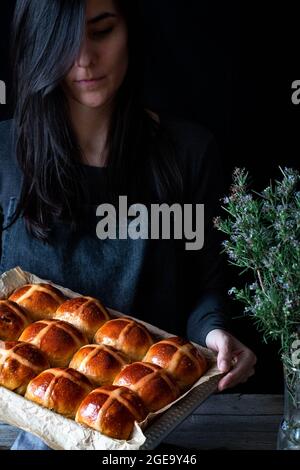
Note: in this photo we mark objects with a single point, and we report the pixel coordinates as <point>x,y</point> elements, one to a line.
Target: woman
<point>81,137</point>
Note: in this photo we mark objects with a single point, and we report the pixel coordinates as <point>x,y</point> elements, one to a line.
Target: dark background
<point>229,67</point>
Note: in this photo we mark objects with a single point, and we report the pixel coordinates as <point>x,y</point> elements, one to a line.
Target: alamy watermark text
<point>184,221</point>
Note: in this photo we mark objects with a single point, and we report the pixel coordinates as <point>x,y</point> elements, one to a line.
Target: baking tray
<point>59,432</point>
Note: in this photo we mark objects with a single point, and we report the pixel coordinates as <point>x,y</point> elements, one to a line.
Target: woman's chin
<point>93,103</point>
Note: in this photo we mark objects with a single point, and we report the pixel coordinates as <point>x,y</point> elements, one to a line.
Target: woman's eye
<point>102,33</point>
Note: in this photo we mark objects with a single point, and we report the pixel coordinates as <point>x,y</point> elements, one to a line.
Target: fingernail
<point>223,366</point>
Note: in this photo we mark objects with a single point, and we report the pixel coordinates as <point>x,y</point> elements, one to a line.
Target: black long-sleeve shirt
<point>157,281</point>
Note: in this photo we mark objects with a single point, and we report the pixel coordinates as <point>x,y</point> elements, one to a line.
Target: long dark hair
<point>45,43</point>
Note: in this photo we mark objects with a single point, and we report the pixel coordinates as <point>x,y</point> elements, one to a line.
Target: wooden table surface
<point>223,421</point>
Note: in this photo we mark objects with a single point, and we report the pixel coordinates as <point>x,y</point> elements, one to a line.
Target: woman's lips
<point>89,83</point>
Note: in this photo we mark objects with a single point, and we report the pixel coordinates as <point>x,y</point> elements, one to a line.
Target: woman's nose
<point>85,56</point>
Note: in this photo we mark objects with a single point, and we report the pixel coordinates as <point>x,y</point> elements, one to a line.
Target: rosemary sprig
<point>263,236</point>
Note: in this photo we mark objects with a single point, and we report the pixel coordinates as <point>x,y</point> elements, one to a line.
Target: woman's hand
<point>233,357</point>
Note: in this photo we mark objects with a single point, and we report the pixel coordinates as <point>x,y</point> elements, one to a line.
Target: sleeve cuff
<point>207,316</point>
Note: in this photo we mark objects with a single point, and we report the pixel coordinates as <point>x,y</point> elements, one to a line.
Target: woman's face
<point>102,62</point>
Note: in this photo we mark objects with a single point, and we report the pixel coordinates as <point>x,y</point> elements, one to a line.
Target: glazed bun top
<point>40,300</point>
<point>57,339</point>
<point>86,313</point>
<point>13,320</point>
<point>99,363</point>
<point>59,389</point>
<point>112,411</point>
<point>180,358</point>
<point>126,335</point>
<point>154,385</point>
<point>19,363</point>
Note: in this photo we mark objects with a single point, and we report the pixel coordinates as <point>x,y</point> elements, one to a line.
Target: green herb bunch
<point>263,232</point>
